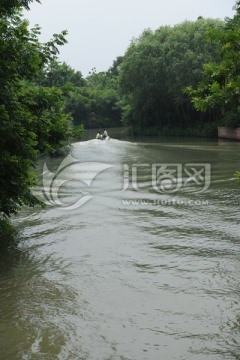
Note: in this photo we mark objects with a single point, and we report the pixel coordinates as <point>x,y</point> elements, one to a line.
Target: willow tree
<point>156,68</point>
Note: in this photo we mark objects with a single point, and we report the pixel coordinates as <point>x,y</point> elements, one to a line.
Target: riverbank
<point>203,130</point>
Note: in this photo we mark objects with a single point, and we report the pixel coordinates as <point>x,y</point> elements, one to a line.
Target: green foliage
<point>96,104</point>
<point>31,116</point>
<point>60,75</point>
<point>220,89</point>
<point>6,229</point>
<point>93,102</point>
<point>78,132</point>
<point>156,68</point>
<point>231,119</point>
<point>48,124</point>
<point>7,7</point>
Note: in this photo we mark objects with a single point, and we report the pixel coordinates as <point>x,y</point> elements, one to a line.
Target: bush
<point>231,119</point>
<point>6,228</point>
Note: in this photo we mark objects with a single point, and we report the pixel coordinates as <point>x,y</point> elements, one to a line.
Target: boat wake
<point>97,142</point>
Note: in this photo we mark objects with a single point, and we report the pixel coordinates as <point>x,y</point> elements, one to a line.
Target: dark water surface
<point>141,270</point>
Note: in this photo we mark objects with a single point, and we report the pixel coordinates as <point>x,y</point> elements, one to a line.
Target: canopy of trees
<point>220,89</point>
<point>94,101</point>
<point>156,68</point>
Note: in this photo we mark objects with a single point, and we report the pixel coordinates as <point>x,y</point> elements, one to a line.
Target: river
<point>135,257</point>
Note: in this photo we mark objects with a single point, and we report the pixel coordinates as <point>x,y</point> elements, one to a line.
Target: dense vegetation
<point>167,82</point>
<point>32,116</point>
<point>156,68</point>
<point>220,88</point>
<point>93,102</point>
<point>177,80</point>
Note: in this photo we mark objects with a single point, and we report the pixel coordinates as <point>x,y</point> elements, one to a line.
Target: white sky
<point>99,31</point>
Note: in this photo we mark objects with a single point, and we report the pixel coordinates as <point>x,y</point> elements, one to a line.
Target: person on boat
<point>98,136</point>
<point>105,135</point>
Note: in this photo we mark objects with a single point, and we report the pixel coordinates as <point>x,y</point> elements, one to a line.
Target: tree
<point>220,90</point>
<point>102,89</point>
<point>92,102</point>
<point>155,69</point>
<point>69,81</point>
<point>59,74</point>
<point>7,7</point>
<point>31,120</point>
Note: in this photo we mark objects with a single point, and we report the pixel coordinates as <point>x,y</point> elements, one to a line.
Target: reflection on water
<point>123,278</point>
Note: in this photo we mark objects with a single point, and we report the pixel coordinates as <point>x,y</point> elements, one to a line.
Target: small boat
<point>103,136</point>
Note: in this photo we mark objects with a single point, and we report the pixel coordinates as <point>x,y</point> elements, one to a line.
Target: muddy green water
<point>146,269</point>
